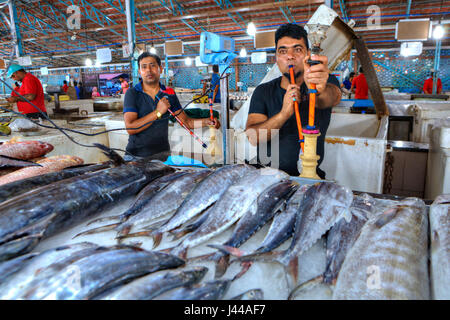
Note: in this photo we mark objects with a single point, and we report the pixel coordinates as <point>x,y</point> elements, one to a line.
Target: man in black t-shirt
<point>145,112</point>
<point>271,119</point>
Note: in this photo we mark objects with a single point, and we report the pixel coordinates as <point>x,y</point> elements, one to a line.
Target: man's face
<point>291,51</point>
<point>18,75</point>
<point>149,70</point>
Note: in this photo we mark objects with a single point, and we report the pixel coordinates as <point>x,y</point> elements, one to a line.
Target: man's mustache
<point>288,75</point>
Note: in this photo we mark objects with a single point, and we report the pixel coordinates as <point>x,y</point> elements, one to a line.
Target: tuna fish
<point>9,268</point>
<point>16,283</point>
<point>212,290</point>
<point>205,194</point>
<point>51,164</point>
<point>237,200</point>
<point>55,207</point>
<point>18,187</point>
<point>340,239</point>
<point>268,203</point>
<point>25,150</point>
<point>155,284</point>
<point>389,259</point>
<point>96,273</point>
<point>440,247</point>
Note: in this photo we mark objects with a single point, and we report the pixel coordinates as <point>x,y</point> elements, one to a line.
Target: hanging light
<point>88,62</point>
<point>188,61</point>
<point>243,53</point>
<point>153,50</point>
<point>251,29</point>
<point>438,32</point>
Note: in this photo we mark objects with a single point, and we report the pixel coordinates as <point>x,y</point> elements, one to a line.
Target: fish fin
<point>203,257</point>
<point>108,227</point>
<point>307,285</point>
<point>110,153</point>
<point>178,250</point>
<point>221,266</point>
<point>118,217</point>
<point>157,237</point>
<point>135,234</point>
<point>387,216</point>
<point>179,234</point>
<point>292,268</point>
<point>245,267</point>
<point>228,250</point>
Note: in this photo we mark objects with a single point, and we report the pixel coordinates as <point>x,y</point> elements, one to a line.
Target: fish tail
<point>179,234</point>
<point>292,268</point>
<point>245,267</point>
<point>125,235</point>
<point>221,266</point>
<point>108,227</point>
<point>157,237</point>
<point>306,286</point>
<point>118,217</point>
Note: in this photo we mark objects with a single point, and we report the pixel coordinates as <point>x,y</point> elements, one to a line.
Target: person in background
<point>428,85</point>
<point>31,90</point>
<point>95,93</point>
<point>77,89</point>
<point>71,91</point>
<point>359,86</point>
<point>146,116</point>
<point>65,86</point>
<point>81,90</point>
<point>215,85</point>
<point>124,85</point>
<point>347,84</point>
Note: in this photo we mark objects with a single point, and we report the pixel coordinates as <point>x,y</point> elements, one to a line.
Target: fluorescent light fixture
<point>153,50</point>
<point>88,62</point>
<point>243,53</point>
<point>188,61</point>
<point>251,29</point>
<point>438,32</point>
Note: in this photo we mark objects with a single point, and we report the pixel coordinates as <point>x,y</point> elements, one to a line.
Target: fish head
<point>45,147</point>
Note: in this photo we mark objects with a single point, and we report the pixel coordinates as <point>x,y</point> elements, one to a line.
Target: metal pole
<point>408,8</point>
<point>329,3</point>
<point>129,10</point>
<point>224,116</point>
<point>167,70</point>
<point>15,29</point>
<point>437,59</point>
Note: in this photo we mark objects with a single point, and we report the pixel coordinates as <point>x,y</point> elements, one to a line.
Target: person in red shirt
<point>359,86</point>
<point>31,89</point>
<point>428,85</point>
<point>65,86</point>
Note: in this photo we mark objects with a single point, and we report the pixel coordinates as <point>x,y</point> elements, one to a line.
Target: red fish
<point>51,164</point>
<point>25,150</point>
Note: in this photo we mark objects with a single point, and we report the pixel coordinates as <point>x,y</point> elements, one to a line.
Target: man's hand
<point>292,92</point>
<point>316,74</point>
<point>214,123</point>
<point>11,99</point>
<point>163,105</point>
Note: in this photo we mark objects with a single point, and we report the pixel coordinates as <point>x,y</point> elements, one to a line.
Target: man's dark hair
<point>75,83</point>
<point>148,54</point>
<point>215,68</point>
<point>293,31</point>
<point>65,82</point>
<point>352,74</point>
<point>361,70</point>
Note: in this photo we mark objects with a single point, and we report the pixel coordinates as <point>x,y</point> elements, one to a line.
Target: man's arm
<point>330,97</point>
<point>258,121</point>
<point>29,97</point>
<point>193,123</point>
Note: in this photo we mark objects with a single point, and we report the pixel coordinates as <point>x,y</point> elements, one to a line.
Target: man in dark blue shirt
<point>145,112</point>
<point>272,103</point>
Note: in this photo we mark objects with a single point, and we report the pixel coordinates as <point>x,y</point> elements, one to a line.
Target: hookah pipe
<point>297,113</point>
